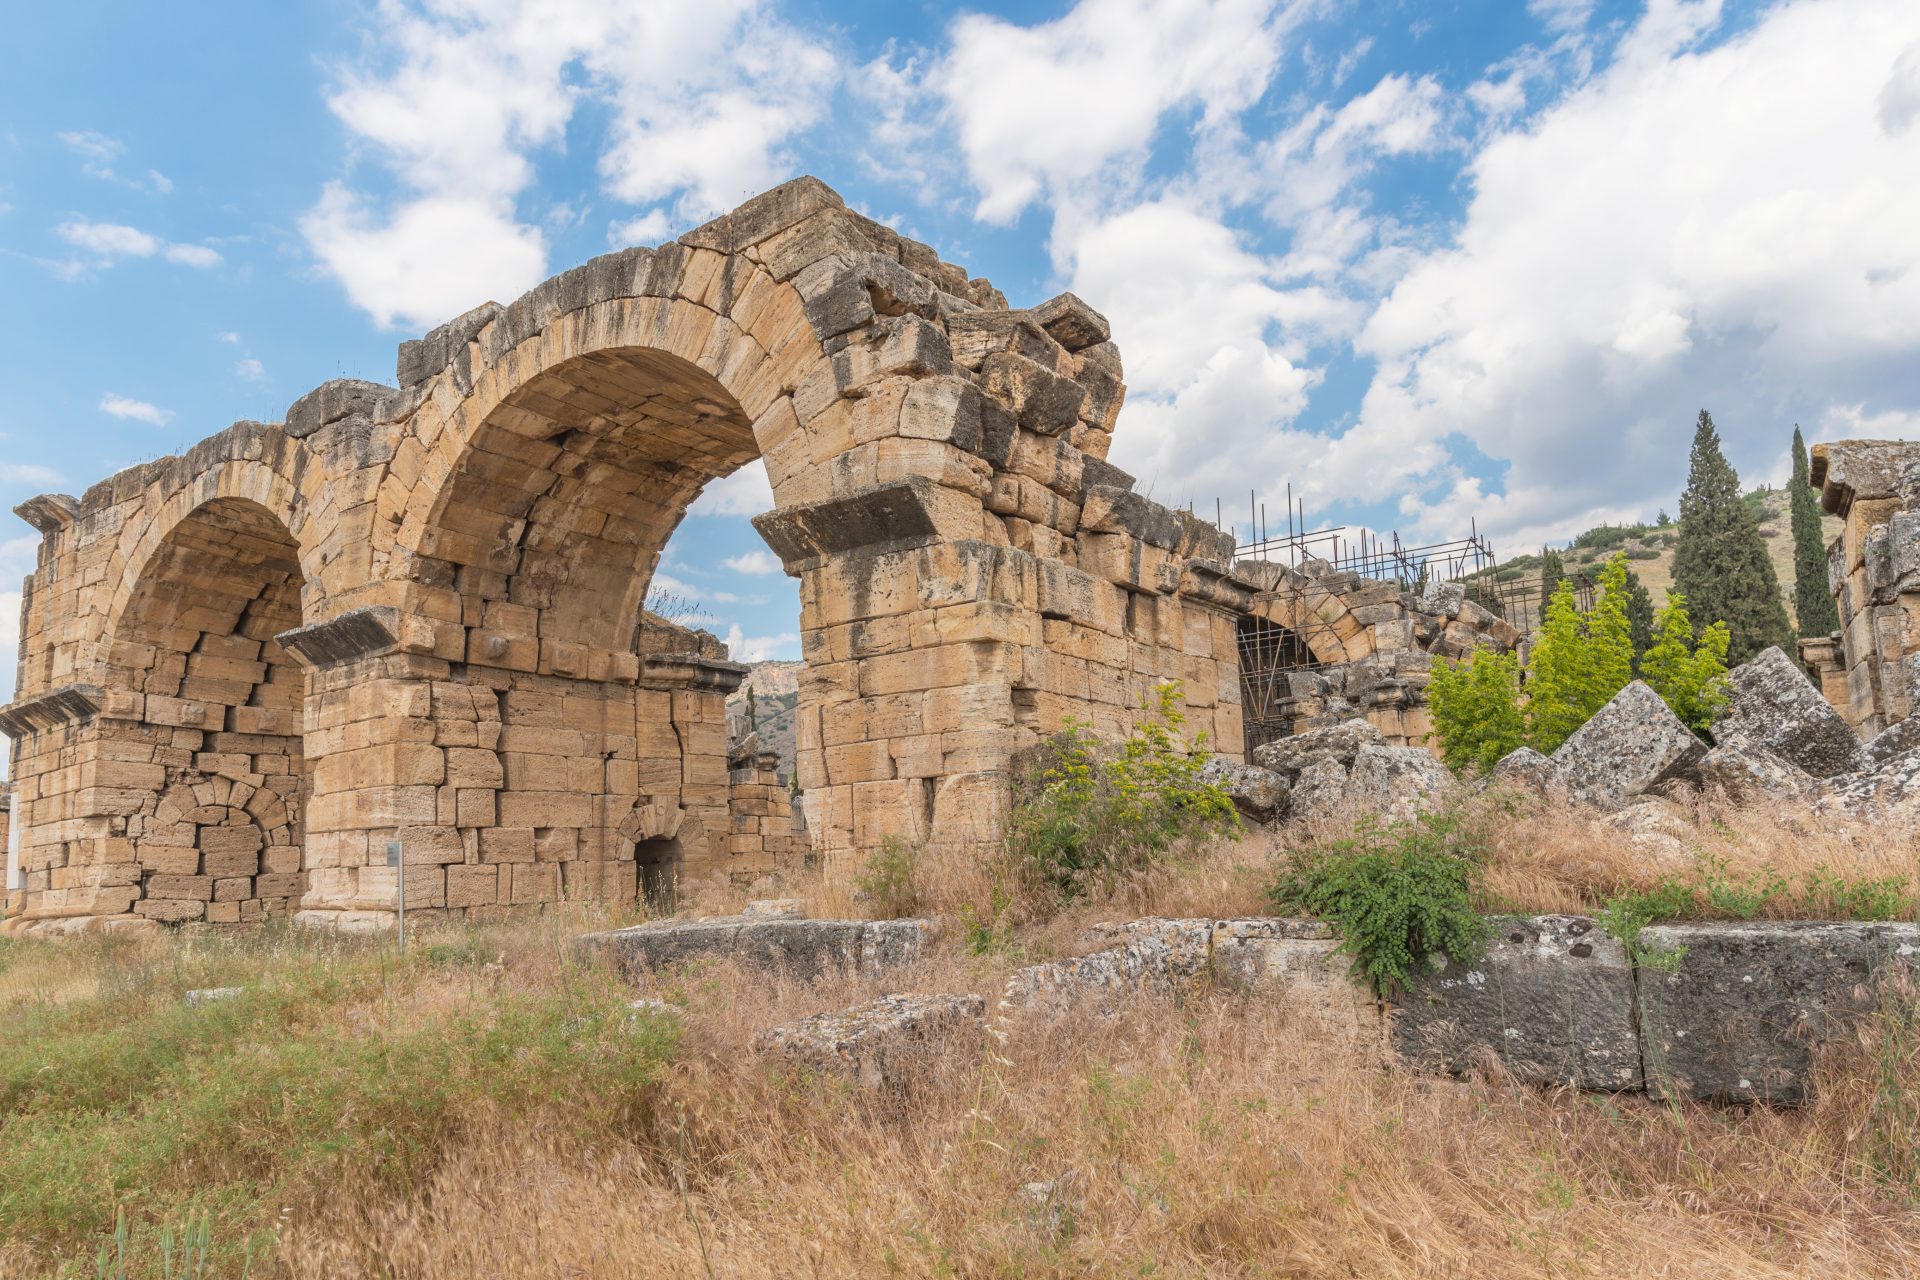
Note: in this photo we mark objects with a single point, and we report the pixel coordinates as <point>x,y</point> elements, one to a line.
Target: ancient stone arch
<point>480,688</point>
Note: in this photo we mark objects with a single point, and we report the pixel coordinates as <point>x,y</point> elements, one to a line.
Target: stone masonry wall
<point>413,613</point>
<point>1873,568</point>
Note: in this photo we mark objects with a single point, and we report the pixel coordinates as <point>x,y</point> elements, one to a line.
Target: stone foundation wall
<point>1873,568</point>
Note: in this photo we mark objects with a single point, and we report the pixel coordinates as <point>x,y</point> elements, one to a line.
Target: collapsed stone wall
<point>1870,668</point>
<point>764,839</point>
<point>412,613</point>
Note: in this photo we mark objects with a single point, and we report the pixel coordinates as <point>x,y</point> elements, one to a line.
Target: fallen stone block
<point>1396,782</point>
<point>1747,1004</point>
<point>1749,774</point>
<point>1631,745</point>
<point>1893,742</point>
<point>1889,792</point>
<point>802,949</point>
<point>881,1044</point>
<point>1552,999</point>
<point>774,909</point>
<point>1339,743</point>
<point>1525,769</point>
<point>1321,789</point>
<point>1259,794</point>
<point>1103,981</point>
<point>1300,964</point>
<point>1772,706</point>
<point>213,995</point>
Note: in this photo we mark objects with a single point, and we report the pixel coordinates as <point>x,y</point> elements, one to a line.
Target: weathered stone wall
<point>1873,568</point>
<point>763,838</point>
<point>413,613</point>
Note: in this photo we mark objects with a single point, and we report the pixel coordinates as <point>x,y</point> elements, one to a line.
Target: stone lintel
<point>896,516</point>
<point>358,633</point>
<point>65,704</point>
<point>49,512</point>
<point>691,671</point>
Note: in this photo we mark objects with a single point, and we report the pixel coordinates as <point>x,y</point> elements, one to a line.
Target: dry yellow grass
<point>1205,1136</point>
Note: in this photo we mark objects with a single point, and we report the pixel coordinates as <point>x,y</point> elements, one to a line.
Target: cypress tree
<point>1639,617</point>
<point>1720,562</point>
<point>1552,574</point>
<point>1812,599</point>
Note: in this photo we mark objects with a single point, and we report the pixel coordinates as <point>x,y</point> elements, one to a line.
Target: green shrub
<point>1691,677</point>
<point>1088,817</point>
<point>1397,895</point>
<point>1475,705</point>
<point>1627,914</point>
<point>1579,664</point>
<point>889,880</point>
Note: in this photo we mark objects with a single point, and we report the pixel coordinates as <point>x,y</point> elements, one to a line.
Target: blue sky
<point>1427,262</point>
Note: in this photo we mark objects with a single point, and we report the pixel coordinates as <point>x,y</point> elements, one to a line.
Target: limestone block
<point>1747,1005</point>
<point>884,1043</point>
<point>1772,706</point>
<point>1630,745</point>
<point>802,949</point>
<point>1552,999</point>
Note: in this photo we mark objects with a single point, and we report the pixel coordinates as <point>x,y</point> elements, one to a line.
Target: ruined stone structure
<point>1870,668</point>
<point>410,616</point>
<point>1319,647</point>
<point>764,837</point>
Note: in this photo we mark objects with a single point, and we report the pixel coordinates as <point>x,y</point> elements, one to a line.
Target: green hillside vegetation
<point>1649,549</point>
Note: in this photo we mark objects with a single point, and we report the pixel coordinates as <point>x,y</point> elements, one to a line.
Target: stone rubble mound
<point>1349,765</point>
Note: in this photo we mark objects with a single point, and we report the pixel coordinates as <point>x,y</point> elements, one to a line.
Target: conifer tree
<point>1812,597</point>
<point>1552,573</point>
<point>1639,617</point>
<point>1475,704</point>
<point>1720,563</point>
<point>1609,636</point>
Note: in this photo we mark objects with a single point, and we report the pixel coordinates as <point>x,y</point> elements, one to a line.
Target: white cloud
<point>701,97</point>
<point>132,410</point>
<point>228,336</point>
<point>745,648</point>
<point>650,228</point>
<point>27,473</point>
<point>108,239</point>
<point>665,584</point>
<point>193,255</point>
<point>758,563</point>
<point>1040,110</point>
<point>98,153</point>
<point>250,369</point>
<point>1726,227</point>
<point>432,259</point>
<point>746,492</point>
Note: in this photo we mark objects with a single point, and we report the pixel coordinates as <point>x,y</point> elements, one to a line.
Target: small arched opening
<point>1276,672</point>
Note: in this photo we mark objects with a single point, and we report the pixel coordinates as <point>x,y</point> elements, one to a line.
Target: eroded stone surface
<point>1630,745</point>
<point>1396,782</point>
<point>1259,794</point>
<point>803,949</point>
<point>1552,999</point>
<point>883,1043</point>
<point>1338,743</point>
<point>1772,706</point>
<point>1747,1005</point>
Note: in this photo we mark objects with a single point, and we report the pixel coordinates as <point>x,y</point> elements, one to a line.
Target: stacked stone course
<point>1870,669</point>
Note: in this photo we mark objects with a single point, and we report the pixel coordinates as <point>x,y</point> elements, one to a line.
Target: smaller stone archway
<point>209,720</point>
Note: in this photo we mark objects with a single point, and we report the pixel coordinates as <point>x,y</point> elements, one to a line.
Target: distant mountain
<point>776,691</point>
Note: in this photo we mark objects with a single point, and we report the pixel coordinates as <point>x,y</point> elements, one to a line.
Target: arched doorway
<point>214,732</point>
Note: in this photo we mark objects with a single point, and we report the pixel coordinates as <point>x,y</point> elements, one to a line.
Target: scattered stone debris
<point>1052,1206</point>
<point>774,909</point>
<point>213,995</point>
<point>1527,770</point>
<point>879,1044</point>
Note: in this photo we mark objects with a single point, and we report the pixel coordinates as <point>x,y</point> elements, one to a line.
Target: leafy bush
<point>1691,677</point>
<point>1475,705</point>
<point>1397,895</point>
<point>1089,817</point>
<point>889,880</point>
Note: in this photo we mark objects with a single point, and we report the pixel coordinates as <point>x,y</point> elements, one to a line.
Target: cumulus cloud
<point>27,473</point>
<point>1724,227</point>
<point>745,648</point>
<point>132,410</point>
<point>746,492</point>
<point>106,242</point>
<point>758,563</point>
<point>250,369</point>
<point>700,97</point>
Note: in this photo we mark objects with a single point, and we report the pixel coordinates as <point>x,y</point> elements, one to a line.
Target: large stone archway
<point>482,688</point>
